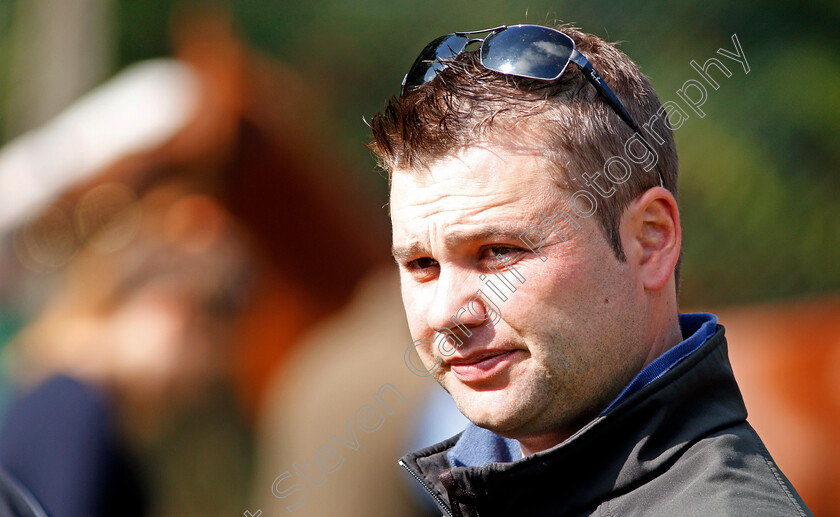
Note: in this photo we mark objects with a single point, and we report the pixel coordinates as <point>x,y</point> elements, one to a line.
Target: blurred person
<point>338,372</point>
<point>556,333</point>
<point>15,500</point>
<point>137,336</point>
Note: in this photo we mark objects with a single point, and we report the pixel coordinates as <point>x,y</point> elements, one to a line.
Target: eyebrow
<point>402,253</point>
<point>456,238</point>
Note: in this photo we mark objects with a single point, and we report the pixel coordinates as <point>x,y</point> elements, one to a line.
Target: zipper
<point>431,492</point>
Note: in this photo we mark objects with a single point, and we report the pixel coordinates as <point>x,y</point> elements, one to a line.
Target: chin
<point>491,410</point>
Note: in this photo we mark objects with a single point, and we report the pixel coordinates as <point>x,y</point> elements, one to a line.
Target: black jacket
<point>680,446</point>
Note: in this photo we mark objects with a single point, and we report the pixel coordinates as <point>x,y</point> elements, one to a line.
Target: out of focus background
<point>195,288</point>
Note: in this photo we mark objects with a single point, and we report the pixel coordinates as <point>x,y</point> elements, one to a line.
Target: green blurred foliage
<point>6,47</point>
<point>759,173</point>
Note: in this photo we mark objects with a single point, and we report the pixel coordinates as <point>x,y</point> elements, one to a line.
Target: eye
<point>495,251</point>
<point>422,263</point>
<point>423,268</point>
<point>499,255</point>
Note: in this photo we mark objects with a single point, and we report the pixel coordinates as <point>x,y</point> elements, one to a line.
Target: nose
<point>455,310</point>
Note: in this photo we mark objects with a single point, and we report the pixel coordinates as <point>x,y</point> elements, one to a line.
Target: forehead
<point>480,185</point>
<point>479,172</point>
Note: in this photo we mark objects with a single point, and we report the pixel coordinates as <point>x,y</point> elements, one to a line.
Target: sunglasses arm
<point>598,82</point>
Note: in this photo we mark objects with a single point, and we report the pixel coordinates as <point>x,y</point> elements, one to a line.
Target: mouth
<point>483,366</point>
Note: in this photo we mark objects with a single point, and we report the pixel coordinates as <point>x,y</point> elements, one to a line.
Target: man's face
<point>557,350</point>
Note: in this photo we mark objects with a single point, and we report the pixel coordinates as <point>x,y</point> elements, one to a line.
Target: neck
<point>664,334</point>
<point>540,443</point>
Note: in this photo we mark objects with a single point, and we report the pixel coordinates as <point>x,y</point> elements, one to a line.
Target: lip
<point>482,366</point>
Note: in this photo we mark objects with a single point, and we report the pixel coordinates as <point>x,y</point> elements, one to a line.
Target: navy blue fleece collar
<point>478,446</point>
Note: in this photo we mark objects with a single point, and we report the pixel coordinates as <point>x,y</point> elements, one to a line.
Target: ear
<point>652,237</point>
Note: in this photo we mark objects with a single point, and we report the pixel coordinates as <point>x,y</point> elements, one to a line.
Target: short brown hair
<point>466,103</point>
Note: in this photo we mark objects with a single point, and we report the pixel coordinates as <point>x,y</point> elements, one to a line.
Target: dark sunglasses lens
<point>527,51</point>
<point>427,64</point>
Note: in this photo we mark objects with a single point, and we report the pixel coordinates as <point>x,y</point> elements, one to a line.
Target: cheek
<point>567,291</point>
<point>415,309</point>
<point>550,282</point>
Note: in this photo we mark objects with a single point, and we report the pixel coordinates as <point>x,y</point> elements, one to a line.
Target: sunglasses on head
<point>529,51</point>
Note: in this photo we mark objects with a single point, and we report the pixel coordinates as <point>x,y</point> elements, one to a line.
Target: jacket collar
<point>638,438</point>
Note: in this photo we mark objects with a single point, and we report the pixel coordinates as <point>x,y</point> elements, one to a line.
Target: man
<point>555,332</point>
